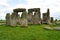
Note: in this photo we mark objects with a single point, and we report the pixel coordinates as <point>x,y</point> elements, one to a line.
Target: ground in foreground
<point>33,32</point>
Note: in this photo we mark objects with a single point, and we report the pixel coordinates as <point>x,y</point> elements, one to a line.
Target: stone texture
<point>24,22</point>
<point>44,18</point>
<point>51,19</point>
<point>48,28</point>
<point>13,19</point>
<point>36,18</point>
<point>8,19</point>
<point>56,28</point>
<point>27,18</point>
<point>52,28</point>
<point>24,14</point>
<point>19,10</point>
<point>30,18</point>
<point>48,16</point>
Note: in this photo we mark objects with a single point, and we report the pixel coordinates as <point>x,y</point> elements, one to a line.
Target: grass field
<point>33,32</point>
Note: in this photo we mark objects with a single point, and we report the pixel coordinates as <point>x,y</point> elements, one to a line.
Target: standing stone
<point>8,19</point>
<point>55,21</point>
<point>29,17</point>
<point>44,18</point>
<point>51,19</point>
<point>24,22</point>
<point>18,19</point>
<point>36,18</point>
<point>13,19</point>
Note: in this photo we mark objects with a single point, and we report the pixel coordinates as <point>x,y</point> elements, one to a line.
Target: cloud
<point>54,5</point>
<point>4,2</point>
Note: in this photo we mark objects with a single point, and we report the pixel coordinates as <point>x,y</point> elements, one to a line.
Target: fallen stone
<point>48,28</point>
<point>56,28</point>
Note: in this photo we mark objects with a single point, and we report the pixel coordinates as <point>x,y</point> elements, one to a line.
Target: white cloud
<point>54,5</point>
<point>4,2</point>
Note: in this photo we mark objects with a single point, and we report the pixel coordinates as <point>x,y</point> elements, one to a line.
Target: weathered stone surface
<point>30,18</point>
<point>48,28</point>
<point>56,21</point>
<point>36,18</point>
<point>13,22</point>
<point>48,13</point>
<point>51,19</point>
<point>56,28</point>
<point>44,18</point>
<point>33,9</point>
<point>24,14</point>
<point>52,28</point>
<point>19,9</point>
<point>24,22</point>
<point>13,19</point>
<point>48,16</point>
<point>18,20</point>
<point>8,19</point>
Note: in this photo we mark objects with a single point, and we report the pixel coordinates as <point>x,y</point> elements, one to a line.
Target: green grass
<point>32,32</point>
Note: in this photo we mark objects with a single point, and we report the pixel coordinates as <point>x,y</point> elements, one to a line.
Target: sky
<point>7,6</point>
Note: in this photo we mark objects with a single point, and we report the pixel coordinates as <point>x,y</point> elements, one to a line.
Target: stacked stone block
<point>36,18</point>
<point>27,18</point>
<point>46,17</point>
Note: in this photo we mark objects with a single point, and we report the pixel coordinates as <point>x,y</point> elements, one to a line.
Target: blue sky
<point>7,6</point>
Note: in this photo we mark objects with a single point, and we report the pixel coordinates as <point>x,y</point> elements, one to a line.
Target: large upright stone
<point>51,19</point>
<point>48,15</point>
<point>36,18</point>
<point>30,18</point>
<point>8,19</point>
<point>13,19</point>
<point>44,18</point>
<point>24,22</point>
<point>18,19</point>
<point>24,14</point>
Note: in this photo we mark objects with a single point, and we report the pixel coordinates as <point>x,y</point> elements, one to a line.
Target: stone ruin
<point>52,20</point>
<point>46,17</point>
<point>15,18</point>
<point>32,17</point>
<point>36,18</point>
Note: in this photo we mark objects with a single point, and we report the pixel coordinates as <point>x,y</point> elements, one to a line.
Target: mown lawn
<point>33,32</point>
